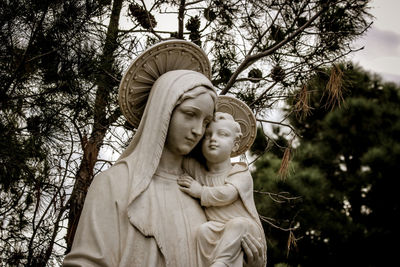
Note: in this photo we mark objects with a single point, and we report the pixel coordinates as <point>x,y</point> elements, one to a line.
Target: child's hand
<point>190,186</point>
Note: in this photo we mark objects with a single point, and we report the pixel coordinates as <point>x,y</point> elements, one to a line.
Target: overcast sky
<point>382,42</point>
<point>381,53</point>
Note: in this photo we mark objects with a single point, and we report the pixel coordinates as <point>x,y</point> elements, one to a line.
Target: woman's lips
<point>190,140</point>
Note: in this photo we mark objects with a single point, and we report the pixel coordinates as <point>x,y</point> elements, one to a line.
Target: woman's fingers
<point>256,244</point>
<point>252,245</point>
<point>253,251</point>
<point>247,250</point>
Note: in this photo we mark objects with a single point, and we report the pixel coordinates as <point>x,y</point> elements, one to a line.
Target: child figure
<point>226,192</point>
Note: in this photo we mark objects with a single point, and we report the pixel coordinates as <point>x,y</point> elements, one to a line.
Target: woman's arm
<point>96,241</point>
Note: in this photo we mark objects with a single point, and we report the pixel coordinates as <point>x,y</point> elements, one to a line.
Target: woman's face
<point>188,123</point>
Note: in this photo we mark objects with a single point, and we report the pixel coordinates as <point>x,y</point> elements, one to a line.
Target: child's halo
<point>243,115</point>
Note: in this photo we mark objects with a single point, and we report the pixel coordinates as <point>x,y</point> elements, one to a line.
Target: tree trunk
<point>181,16</point>
<point>101,124</point>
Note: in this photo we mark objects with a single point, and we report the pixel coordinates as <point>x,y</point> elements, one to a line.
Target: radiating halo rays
<point>242,115</point>
<point>149,66</point>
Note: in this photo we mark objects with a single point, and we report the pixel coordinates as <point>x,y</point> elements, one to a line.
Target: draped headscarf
<point>143,154</point>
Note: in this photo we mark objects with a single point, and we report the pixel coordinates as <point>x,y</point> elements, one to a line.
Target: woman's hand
<point>190,186</point>
<point>253,250</point>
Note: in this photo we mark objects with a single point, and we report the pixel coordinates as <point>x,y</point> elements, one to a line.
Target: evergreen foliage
<point>345,172</point>
<point>61,64</point>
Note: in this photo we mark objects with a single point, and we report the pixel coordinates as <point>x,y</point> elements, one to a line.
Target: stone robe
<point>227,198</point>
<point>133,214</point>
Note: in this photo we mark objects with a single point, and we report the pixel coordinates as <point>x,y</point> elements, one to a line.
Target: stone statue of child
<point>225,191</point>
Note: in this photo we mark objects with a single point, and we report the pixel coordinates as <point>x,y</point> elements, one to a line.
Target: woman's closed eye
<point>190,114</point>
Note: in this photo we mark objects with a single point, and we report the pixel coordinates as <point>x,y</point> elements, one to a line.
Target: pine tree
<point>61,66</point>
<point>344,171</point>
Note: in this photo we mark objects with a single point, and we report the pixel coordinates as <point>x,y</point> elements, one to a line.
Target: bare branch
<point>263,93</point>
<point>148,17</point>
<point>280,197</point>
<point>282,124</point>
<point>271,222</point>
<point>252,58</point>
<point>194,2</point>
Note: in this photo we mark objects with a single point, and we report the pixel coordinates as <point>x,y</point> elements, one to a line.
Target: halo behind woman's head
<point>145,69</point>
<point>243,115</point>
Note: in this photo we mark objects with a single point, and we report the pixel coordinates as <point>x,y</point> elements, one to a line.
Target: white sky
<point>382,42</point>
<point>381,53</point>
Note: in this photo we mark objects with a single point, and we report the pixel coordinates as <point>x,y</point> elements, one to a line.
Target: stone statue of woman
<point>134,213</point>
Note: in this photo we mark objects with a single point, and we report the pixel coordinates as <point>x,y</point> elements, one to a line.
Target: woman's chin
<point>184,149</point>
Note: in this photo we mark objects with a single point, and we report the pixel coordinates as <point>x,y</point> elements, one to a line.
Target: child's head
<point>222,137</point>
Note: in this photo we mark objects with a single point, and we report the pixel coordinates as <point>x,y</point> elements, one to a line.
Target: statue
<point>225,190</point>
<point>134,213</point>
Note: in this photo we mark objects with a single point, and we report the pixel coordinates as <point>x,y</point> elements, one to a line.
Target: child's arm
<point>209,196</point>
<point>190,186</point>
<point>218,195</point>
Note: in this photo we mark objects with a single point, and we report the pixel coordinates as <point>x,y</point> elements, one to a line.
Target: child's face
<point>219,141</point>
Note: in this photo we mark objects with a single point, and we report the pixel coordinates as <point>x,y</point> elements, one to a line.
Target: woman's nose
<point>197,129</point>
